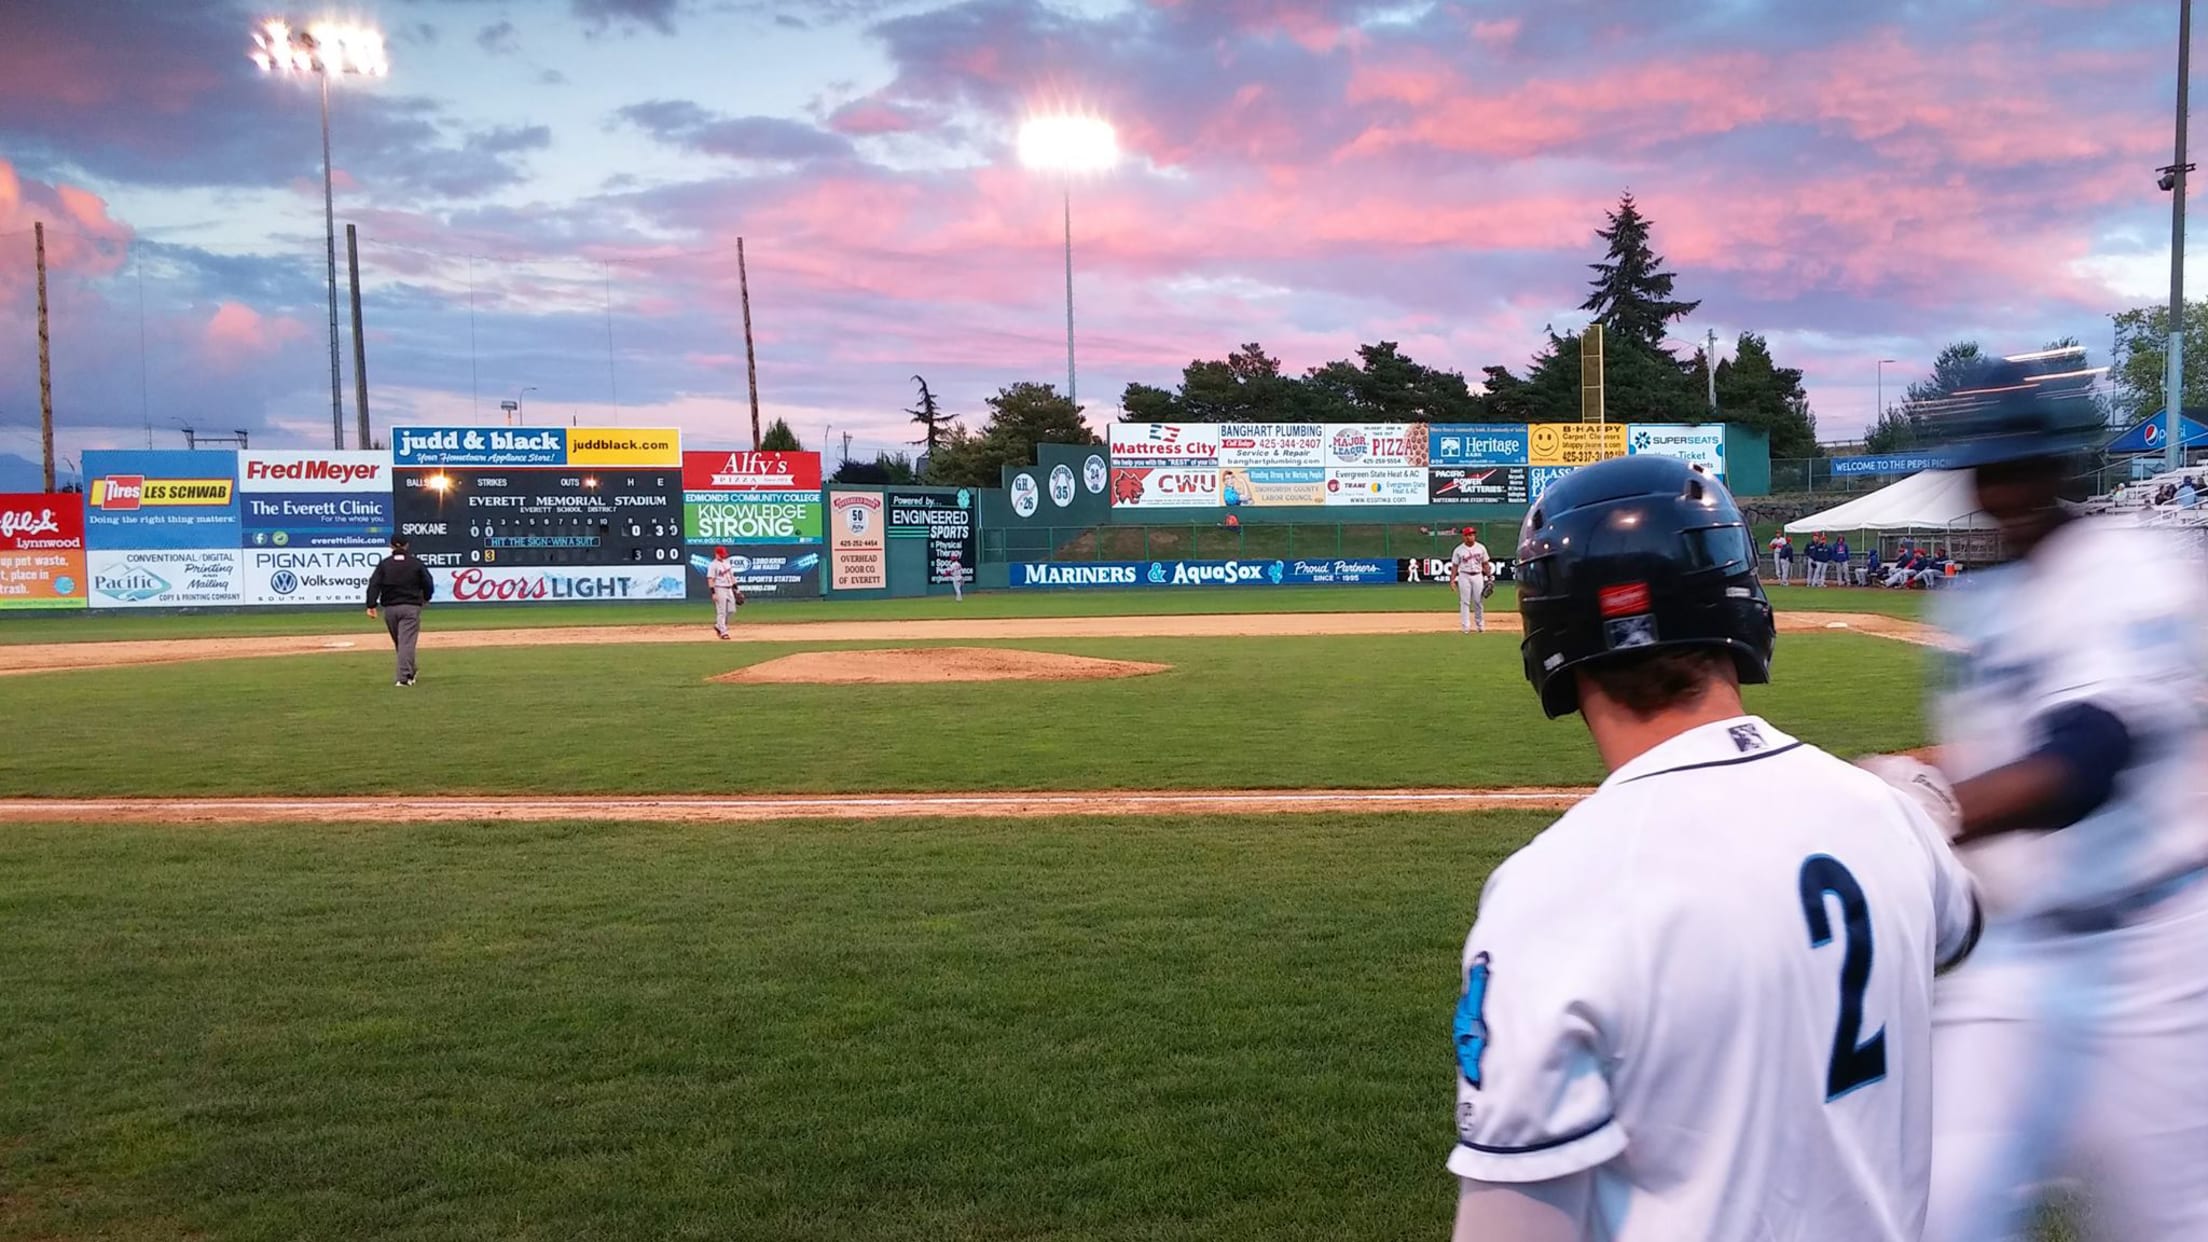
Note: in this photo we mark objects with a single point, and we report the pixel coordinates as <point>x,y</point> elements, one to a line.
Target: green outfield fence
<point>1214,542</point>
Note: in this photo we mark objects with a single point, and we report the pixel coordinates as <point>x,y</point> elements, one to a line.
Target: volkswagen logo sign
<point>283,582</point>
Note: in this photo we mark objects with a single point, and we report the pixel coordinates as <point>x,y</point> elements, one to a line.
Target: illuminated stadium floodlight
<point>1069,145</point>
<point>324,49</point>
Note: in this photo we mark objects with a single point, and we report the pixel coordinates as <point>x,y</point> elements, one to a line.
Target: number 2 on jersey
<point>1853,1064</point>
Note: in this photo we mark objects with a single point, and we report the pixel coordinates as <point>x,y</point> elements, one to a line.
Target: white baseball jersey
<point>1710,983</point>
<point>721,576</point>
<point>2110,613</point>
<point>1470,560</point>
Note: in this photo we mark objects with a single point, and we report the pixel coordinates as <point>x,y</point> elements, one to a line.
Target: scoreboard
<point>559,516</point>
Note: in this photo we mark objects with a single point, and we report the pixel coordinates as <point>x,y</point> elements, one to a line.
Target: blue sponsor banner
<point>479,446</point>
<point>1083,574</point>
<point>1477,444</point>
<point>316,519</point>
<point>160,499</point>
<point>1343,571</point>
<point>1887,463</point>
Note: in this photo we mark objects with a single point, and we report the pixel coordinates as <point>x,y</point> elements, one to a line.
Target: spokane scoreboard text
<point>458,516</point>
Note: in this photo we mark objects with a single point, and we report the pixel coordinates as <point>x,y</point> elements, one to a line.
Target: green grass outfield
<point>1383,711</point>
<point>1147,1029</point>
<point>1208,1029</point>
<point>105,626</point>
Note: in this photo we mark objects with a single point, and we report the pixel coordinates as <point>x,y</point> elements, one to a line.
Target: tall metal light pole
<point>521,416</point>
<point>323,49</point>
<point>2173,180</point>
<point>1068,146</point>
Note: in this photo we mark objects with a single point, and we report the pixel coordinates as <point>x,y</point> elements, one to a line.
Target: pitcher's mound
<point>910,664</point>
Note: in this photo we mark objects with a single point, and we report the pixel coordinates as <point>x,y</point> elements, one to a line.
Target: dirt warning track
<point>1037,805</point>
<point>367,636</point>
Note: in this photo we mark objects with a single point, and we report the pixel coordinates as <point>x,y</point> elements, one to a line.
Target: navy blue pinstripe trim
<point>1720,763</point>
<point>1565,1141</point>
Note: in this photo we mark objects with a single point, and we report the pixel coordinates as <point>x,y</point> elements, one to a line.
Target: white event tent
<point>1928,500</point>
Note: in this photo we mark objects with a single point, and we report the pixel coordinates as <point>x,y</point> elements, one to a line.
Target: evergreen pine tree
<point>1632,293</point>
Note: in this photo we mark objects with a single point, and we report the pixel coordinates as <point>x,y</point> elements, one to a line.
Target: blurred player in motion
<point>1686,1015</point>
<point>1470,569</point>
<point>2075,1046</point>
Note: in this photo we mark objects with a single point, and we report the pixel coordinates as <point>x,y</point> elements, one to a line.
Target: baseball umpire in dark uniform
<point>401,585</point>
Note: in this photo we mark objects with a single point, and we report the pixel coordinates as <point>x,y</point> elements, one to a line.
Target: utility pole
<point>45,360</point>
<point>329,225</point>
<point>846,460</point>
<point>1709,368</point>
<point>2173,388</point>
<point>360,343</point>
<point>751,360</point>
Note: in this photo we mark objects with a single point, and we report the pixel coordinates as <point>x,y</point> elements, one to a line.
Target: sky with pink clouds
<point>548,194</point>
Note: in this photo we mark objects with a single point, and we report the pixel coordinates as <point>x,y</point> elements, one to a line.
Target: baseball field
<point>610,930</point>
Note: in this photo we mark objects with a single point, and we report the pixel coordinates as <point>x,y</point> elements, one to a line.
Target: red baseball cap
<point>721,552</point>
<point>1469,530</point>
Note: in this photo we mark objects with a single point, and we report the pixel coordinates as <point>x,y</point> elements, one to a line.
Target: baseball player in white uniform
<point>2074,1047</point>
<point>1471,570</point>
<point>1686,1015</point>
<point>720,576</point>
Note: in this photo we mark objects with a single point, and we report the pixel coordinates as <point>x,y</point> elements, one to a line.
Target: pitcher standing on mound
<point>1470,570</point>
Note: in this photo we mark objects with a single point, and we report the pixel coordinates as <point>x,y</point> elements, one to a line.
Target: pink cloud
<point>237,333</point>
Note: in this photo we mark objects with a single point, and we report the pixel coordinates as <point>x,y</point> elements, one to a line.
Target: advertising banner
<point>1702,446</point>
<point>1376,485</point>
<point>1538,479</point>
<point>1272,444</point>
<point>1061,575</point>
<point>314,499</point>
<point>487,584</point>
<point>751,517</point>
<point>624,446</point>
<point>160,499</point>
<point>788,570</point>
<point>1272,485</point>
<point>1888,463</point>
<point>478,446</point>
<point>1573,444</point>
<point>1165,444</point>
<point>1376,444</point>
<point>1343,572</point>
<point>42,550</point>
<point>165,578</point>
<point>298,575</point>
<point>947,523</point>
<point>1493,485</point>
<point>1477,444</point>
<point>751,472</point>
<point>858,558</point>
<point>1162,487</point>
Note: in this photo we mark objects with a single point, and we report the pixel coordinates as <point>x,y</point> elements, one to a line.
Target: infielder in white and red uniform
<point>2074,727</point>
<point>1698,1007</point>
<point>1470,569</point>
<point>721,577</point>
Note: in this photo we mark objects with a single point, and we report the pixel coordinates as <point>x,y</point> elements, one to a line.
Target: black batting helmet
<point>1635,554</point>
<point>2016,410</point>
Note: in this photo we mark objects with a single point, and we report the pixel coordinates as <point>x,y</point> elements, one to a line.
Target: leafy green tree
<point>1021,416</point>
<point>886,468</point>
<point>1147,403</point>
<point>1754,391</point>
<point>780,439</point>
<point>1632,296</point>
<point>1387,385</point>
<point>2140,368</point>
<point>1639,385</point>
<point>1902,427</point>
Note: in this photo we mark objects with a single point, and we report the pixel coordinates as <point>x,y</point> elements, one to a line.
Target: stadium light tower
<point>1069,145</point>
<point>323,49</point>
